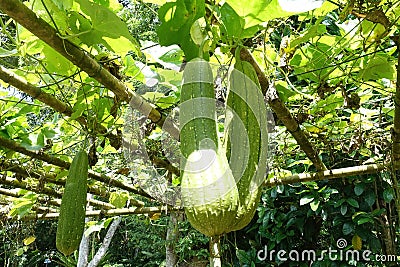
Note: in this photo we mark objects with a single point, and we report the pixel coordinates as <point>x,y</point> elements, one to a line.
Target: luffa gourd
<point>221,183</point>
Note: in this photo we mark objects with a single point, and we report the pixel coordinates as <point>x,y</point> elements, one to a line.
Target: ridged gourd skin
<point>210,196</point>
<point>71,221</point>
<point>209,192</point>
<point>247,151</point>
<point>223,196</point>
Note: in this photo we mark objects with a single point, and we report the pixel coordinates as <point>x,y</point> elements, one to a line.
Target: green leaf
<point>338,203</point>
<point>177,19</point>
<point>284,91</point>
<point>64,4</point>
<point>132,70</point>
<point>255,12</point>
<point>48,133</point>
<point>170,57</point>
<point>106,28</point>
<point>119,199</point>
<point>8,53</point>
<point>314,205</point>
<point>347,228</point>
<point>377,68</point>
<point>306,199</point>
<point>300,6</point>
<point>233,25</point>
<point>96,226</point>
<point>359,189</point>
<point>78,111</point>
<point>19,252</point>
<point>51,13</point>
<point>166,101</point>
<point>388,195</point>
<point>343,209</point>
<point>56,63</point>
<point>40,140</point>
<point>353,202</point>
<point>364,220</point>
<point>174,56</point>
<point>370,198</point>
<point>314,31</point>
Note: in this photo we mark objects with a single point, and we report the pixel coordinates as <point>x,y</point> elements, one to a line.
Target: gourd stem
<point>215,251</point>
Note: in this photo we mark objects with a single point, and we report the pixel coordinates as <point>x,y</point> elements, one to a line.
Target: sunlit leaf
<point>306,199</point>
<point>300,5</point>
<point>29,240</point>
<point>356,242</point>
<point>105,25</point>
<point>177,19</point>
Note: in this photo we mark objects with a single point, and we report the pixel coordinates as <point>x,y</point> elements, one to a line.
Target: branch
<point>107,213</point>
<point>396,120</point>
<point>106,243</point>
<point>28,19</point>
<point>329,174</point>
<point>14,146</point>
<point>59,106</point>
<point>84,249</point>
<point>396,130</point>
<point>283,112</point>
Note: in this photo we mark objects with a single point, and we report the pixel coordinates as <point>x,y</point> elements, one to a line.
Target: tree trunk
<point>171,258</point>
<point>106,243</point>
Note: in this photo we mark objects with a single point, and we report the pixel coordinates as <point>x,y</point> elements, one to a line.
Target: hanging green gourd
<point>247,138</point>
<point>71,221</point>
<point>221,182</point>
<point>209,191</point>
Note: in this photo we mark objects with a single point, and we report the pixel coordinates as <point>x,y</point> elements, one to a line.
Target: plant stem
<point>215,251</point>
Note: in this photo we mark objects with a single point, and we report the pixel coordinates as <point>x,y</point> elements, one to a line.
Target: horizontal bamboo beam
<point>323,175</point>
<point>49,191</point>
<point>14,146</point>
<point>106,213</point>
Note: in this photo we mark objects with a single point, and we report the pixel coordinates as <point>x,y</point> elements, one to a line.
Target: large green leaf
<point>377,68</point>
<point>177,19</point>
<point>235,26</point>
<point>104,27</point>
<point>255,12</point>
<point>300,5</point>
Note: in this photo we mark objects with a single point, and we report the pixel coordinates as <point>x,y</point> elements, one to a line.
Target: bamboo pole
<point>40,176</point>
<point>106,213</point>
<point>326,175</point>
<point>14,146</point>
<point>49,191</point>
